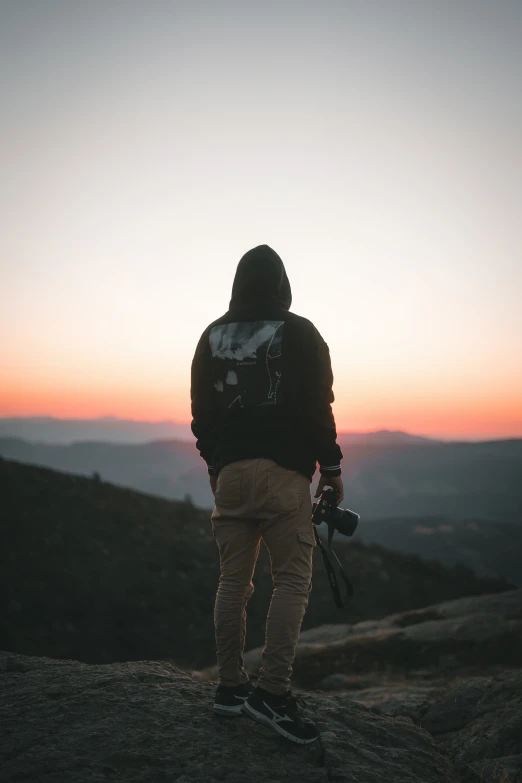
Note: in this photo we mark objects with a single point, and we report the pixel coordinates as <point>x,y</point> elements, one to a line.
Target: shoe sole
<point>223,709</point>
<point>265,720</point>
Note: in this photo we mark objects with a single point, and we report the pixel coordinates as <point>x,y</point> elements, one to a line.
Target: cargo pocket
<point>307,537</point>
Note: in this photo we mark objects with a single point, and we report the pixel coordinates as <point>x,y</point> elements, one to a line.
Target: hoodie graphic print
<point>246,363</point>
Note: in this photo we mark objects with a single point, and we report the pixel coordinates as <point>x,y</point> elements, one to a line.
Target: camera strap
<point>328,558</point>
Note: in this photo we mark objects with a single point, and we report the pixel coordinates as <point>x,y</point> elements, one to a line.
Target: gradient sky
<point>375,145</point>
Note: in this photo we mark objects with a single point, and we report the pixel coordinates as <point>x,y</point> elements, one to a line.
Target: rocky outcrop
<point>69,722</point>
<point>478,722</point>
<point>422,665</point>
<point>469,633</point>
<point>391,695</point>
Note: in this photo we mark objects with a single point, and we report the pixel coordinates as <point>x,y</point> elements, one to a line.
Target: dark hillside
<point>100,573</point>
<point>383,477</point>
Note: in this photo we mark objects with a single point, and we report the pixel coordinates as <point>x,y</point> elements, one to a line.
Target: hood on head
<point>261,277</point>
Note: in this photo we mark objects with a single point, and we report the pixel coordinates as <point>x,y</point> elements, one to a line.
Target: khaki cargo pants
<point>258,499</point>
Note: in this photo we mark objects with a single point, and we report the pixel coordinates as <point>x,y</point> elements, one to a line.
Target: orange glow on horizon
<point>478,418</point>
<point>126,217</point>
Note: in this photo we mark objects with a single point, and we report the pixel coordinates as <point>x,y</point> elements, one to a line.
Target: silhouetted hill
<point>383,438</point>
<point>100,573</point>
<point>167,468</point>
<point>474,481</point>
<point>51,429</point>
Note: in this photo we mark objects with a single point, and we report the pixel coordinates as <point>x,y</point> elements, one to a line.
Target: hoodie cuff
<point>211,470</point>
<point>330,471</point>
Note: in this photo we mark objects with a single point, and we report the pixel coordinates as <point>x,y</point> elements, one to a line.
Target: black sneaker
<point>229,701</point>
<point>281,713</point>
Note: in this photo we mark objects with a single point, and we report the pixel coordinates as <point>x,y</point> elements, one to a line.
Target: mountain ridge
<point>479,480</point>
<point>57,429</point>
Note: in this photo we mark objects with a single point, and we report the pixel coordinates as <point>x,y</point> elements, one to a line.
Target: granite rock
<point>476,631</point>
<point>478,723</point>
<point>70,722</point>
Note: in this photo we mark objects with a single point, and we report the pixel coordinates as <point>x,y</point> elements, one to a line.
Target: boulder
<point>476,631</point>
<point>70,722</point>
<point>396,696</point>
<point>478,722</point>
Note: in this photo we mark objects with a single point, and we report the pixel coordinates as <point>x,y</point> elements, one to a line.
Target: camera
<point>341,519</point>
<point>345,522</point>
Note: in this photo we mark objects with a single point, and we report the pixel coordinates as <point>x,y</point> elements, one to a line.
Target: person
<point>261,393</point>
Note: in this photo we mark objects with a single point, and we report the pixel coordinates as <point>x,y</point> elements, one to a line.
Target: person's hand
<point>336,483</point>
<point>213,484</point>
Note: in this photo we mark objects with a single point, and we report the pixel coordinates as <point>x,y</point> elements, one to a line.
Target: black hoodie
<point>262,378</point>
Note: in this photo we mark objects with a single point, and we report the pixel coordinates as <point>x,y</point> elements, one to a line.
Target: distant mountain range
<point>383,478</point>
<point>48,429</point>
<point>490,548</point>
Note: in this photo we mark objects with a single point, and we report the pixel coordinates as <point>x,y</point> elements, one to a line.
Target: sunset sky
<point>375,145</point>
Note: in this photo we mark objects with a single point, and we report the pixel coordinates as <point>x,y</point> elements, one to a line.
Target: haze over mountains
<point>386,474</point>
<point>50,429</point>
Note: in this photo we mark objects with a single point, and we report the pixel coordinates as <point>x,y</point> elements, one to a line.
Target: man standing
<point>261,405</point>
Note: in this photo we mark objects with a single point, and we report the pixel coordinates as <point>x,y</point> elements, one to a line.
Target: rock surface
<point>64,721</point>
<point>476,631</point>
<point>478,722</point>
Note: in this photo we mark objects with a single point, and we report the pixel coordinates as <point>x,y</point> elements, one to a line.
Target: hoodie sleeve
<point>203,402</point>
<point>321,419</point>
